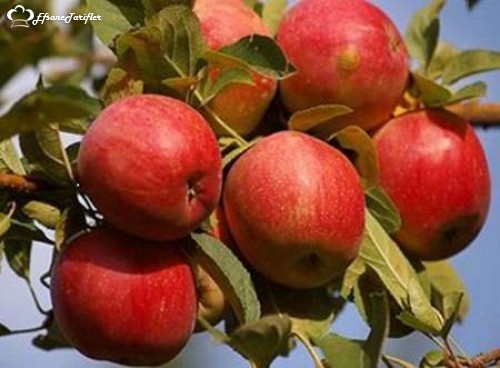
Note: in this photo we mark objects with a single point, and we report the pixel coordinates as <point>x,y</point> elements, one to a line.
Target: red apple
<point>434,168</point>
<point>295,208</point>
<point>346,52</point>
<point>151,164</point>
<point>123,299</point>
<point>224,22</point>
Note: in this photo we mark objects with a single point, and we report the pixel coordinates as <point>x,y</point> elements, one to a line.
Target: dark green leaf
<point>71,222</point>
<point>364,157</point>
<point>43,148</point>
<point>258,53</point>
<point>4,330</point>
<point>470,62</point>
<point>154,6</point>
<point>383,256</point>
<point>472,3</point>
<point>232,276</point>
<point>383,209</point>
<point>57,104</point>
<point>117,17</point>
<point>263,340</point>
<point>433,359</point>
<point>6,221</point>
<point>308,119</point>
<point>471,91</point>
<point>51,339</point>
<point>422,34</point>
<point>18,254</point>
<point>341,352</point>
<point>9,158</point>
<point>272,13</point>
<point>429,92</point>
<point>26,230</point>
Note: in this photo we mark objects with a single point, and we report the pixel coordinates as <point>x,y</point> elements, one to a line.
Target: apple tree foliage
<point>157,47</point>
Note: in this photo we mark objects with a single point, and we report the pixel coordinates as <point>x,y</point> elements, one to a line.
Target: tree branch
<point>478,113</point>
<point>16,182</point>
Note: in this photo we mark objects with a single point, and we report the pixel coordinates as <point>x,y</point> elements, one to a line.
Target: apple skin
<point>434,168</point>
<point>241,106</point>
<point>347,52</point>
<point>124,299</point>
<point>295,208</point>
<point>152,166</point>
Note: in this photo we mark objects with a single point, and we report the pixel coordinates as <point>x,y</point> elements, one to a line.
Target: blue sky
<point>478,264</point>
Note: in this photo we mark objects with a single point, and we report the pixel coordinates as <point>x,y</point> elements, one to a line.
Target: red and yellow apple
<point>224,22</point>
<point>152,166</point>
<point>124,299</point>
<point>347,52</point>
<point>434,168</point>
<point>295,208</point>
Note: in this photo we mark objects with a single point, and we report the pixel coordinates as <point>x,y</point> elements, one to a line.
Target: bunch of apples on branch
<point>260,164</point>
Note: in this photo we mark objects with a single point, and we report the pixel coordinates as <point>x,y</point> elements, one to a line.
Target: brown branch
<point>18,183</point>
<point>478,113</point>
<point>488,359</point>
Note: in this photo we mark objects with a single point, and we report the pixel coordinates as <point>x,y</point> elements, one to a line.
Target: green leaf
<point>152,7</point>
<point>341,352</point>
<point>470,62</point>
<point>383,209</point>
<point>71,222</point>
<point>272,13</point>
<point>442,56</point>
<point>383,256</point>
<point>471,91</point>
<point>422,34</point>
<point>232,276</point>
<point>181,85</point>
<point>225,78</point>
<point>10,158</point>
<point>120,84</point>
<point>56,104</point>
<point>351,277</point>
<point>4,330</point>
<point>182,41</point>
<point>43,148</point>
<point>5,221</point>
<point>258,53</point>
<point>433,359</point>
<point>429,92</point>
<point>263,340</point>
<point>117,17</point>
<point>44,213</point>
<point>308,119</point>
<point>364,156</point>
<point>18,255</point>
<point>235,153</point>
<point>446,281</point>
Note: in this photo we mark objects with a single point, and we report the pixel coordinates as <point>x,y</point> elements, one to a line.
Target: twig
<point>310,349</point>
<point>478,113</point>
<point>389,360</point>
<point>17,182</point>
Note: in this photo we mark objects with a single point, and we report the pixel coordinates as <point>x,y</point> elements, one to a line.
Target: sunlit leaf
<point>272,13</point>
<point>383,209</point>
<point>306,120</point>
<point>470,62</point>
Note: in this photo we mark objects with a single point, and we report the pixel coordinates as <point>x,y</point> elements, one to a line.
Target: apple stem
<point>310,349</point>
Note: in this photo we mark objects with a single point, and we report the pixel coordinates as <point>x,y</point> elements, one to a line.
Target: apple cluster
<point>292,206</point>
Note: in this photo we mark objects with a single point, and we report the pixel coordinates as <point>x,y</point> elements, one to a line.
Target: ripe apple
<point>346,52</point>
<point>151,164</point>
<point>434,168</point>
<point>295,208</point>
<point>124,299</point>
<point>224,22</point>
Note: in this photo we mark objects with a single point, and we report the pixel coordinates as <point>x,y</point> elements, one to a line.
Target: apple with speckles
<point>151,164</point>
<point>124,299</point>
<point>434,168</point>
<point>347,52</point>
<point>295,208</point>
<point>241,106</point>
